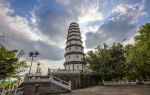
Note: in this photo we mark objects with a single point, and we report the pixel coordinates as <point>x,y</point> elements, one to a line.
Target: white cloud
<point>64,2</point>
<point>93,28</point>
<point>90,14</point>
<point>22,36</point>
<point>128,41</point>
<point>120,9</point>
<point>122,26</point>
<point>17,25</point>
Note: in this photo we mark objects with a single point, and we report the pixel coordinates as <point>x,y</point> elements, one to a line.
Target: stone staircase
<point>45,85</point>
<point>50,79</point>
<point>38,85</point>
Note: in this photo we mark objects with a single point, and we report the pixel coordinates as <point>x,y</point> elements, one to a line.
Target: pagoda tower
<point>74,50</point>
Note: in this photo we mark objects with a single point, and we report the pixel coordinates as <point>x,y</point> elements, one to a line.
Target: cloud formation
<point>123,25</point>
<point>21,36</point>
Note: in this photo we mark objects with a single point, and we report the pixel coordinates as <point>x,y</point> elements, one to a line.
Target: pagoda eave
<point>74,52</point>
<point>74,62</point>
<point>74,45</point>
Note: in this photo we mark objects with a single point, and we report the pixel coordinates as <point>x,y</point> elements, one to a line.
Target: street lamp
<point>32,55</point>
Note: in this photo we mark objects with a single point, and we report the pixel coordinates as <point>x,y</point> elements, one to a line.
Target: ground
<point>112,90</point>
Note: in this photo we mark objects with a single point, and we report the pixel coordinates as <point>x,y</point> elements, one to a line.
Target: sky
<point>42,25</point>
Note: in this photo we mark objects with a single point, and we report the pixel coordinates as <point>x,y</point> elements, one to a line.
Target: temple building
<point>74,50</point>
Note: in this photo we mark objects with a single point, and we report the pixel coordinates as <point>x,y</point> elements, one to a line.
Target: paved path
<point>112,90</point>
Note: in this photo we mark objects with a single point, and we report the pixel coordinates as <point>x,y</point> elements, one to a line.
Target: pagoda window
<point>69,48</point>
<point>70,43</point>
<point>77,56</point>
<point>69,57</point>
<point>76,47</point>
<point>69,67</point>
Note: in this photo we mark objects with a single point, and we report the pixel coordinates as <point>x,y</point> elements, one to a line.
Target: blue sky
<point>42,24</point>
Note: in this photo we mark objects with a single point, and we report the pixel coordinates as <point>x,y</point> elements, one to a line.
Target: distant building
<point>74,50</point>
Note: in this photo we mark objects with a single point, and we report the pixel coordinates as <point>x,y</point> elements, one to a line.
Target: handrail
<point>60,83</point>
<point>60,80</point>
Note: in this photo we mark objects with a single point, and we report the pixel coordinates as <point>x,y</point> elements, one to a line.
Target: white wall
<point>70,66</point>
<point>76,37</point>
<point>73,57</point>
<point>76,66</point>
<point>74,42</point>
<point>73,48</point>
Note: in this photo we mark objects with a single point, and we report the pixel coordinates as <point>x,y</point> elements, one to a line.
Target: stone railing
<point>146,82</point>
<point>63,71</point>
<point>67,71</point>
<point>13,89</point>
<point>52,79</point>
<point>124,82</point>
<point>119,83</point>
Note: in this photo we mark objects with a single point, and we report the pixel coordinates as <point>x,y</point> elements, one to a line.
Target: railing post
<point>51,77</point>
<point>70,85</point>
<point>103,82</point>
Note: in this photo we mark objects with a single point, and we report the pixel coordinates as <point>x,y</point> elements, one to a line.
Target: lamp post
<point>32,55</point>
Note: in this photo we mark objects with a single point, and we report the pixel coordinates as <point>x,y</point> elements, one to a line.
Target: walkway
<point>112,90</point>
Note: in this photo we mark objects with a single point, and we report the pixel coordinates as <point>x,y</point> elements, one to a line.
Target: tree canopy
<point>138,55</point>
<point>10,66</point>
<point>123,62</point>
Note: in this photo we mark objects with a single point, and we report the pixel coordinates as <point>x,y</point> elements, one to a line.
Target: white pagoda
<point>74,50</point>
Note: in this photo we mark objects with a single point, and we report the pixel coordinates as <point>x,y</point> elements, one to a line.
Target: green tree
<point>138,55</point>
<point>10,66</point>
<point>108,62</point>
<point>117,61</point>
<point>123,62</point>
